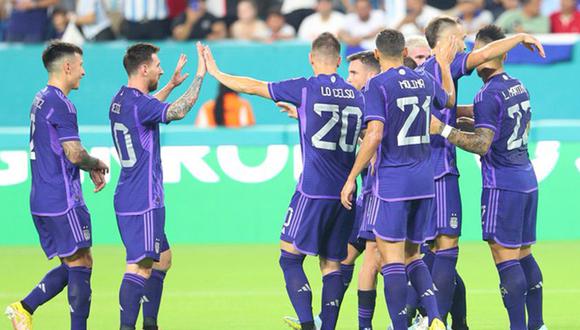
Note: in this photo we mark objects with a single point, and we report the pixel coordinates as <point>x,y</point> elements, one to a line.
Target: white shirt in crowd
<point>427,14</point>
<point>354,26</point>
<point>313,25</point>
<point>87,7</point>
<point>482,19</point>
<point>144,10</point>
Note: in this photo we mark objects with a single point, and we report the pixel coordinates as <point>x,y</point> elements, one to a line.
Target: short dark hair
<point>390,43</point>
<point>367,58</point>
<point>55,50</point>
<point>327,45</point>
<point>410,63</point>
<point>138,54</point>
<point>490,33</point>
<point>435,27</point>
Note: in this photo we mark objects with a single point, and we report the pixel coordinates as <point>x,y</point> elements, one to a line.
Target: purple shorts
<point>509,217</point>
<point>143,235</point>
<point>369,217</point>
<point>318,226</point>
<point>357,242</point>
<point>446,209</point>
<point>403,220</point>
<point>63,235</point>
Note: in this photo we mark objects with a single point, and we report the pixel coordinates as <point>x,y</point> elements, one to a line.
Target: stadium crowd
<point>355,22</point>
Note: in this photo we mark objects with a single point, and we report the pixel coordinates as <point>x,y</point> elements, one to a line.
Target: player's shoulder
<point>56,99</point>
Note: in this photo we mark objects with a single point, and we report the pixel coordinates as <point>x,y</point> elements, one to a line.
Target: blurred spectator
<point>197,23</point>
<point>363,24</point>
<point>92,18</point>
<point>324,20</point>
<point>60,19</point>
<point>442,4</point>
<point>567,20</point>
<point>473,16</point>
<point>145,20</point>
<point>526,19</point>
<point>376,4</point>
<point>248,26</point>
<point>29,20</point>
<point>277,27</point>
<point>3,18</point>
<point>228,109</point>
<point>418,49</point>
<point>417,17</point>
<point>498,7</point>
<point>295,11</point>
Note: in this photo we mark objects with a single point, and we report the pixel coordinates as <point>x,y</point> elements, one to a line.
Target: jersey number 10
<point>317,139</point>
<point>120,128</point>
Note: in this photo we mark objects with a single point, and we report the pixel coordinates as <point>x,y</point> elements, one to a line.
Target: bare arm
<point>477,142</point>
<point>500,47</point>
<point>368,149</point>
<point>79,156</point>
<point>237,83</point>
<point>465,110</point>
<point>444,54</point>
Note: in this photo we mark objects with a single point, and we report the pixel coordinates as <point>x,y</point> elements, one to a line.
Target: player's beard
<point>153,85</point>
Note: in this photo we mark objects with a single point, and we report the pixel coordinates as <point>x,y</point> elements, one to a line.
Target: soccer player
<point>445,224</point>
<point>330,119</point>
<point>401,99</point>
<point>509,200</point>
<point>58,209</point>
<point>362,66</point>
<point>135,116</point>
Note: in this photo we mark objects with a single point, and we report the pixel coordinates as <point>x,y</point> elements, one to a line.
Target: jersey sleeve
<point>374,100</point>
<point>486,111</point>
<point>459,66</point>
<point>152,111</point>
<point>64,119</point>
<point>287,90</point>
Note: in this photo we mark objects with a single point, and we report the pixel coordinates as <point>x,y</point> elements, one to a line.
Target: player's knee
<point>444,242</point>
<point>525,251</point>
<point>165,261</point>
<point>81,258</point>
<point>411,251</point>
<point>143,268</point>
<point>289,260</point>
<point>328,266</point>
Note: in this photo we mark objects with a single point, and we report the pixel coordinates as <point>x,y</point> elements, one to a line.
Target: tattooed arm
<point>477,142</point>
<point>178,109</point>
<point>79,156</point>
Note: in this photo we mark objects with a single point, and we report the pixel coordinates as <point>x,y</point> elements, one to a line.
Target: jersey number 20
<point>317,139</point>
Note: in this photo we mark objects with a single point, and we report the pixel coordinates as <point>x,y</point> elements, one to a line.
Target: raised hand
<point>177,78</point>
<point>201,66</point>
<point>446,50</point>
<point>210,63</point>
<point>288,108</point>
<point>532,43</point>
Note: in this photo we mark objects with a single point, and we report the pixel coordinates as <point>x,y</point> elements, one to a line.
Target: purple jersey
<point>330,117</point>
<point>56,186</point>
<point>135,119</point>
<point>443,153</point>
<point>503,105</point>
<point>402,99</point>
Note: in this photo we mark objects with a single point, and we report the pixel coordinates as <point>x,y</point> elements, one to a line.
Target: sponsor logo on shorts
<point>157,246</point>
<point>453,221</point>
<point>483,209</point>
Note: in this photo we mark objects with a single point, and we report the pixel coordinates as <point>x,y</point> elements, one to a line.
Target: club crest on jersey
<point>87,234</point>
<point>116,108</point>
<point>453,221</point>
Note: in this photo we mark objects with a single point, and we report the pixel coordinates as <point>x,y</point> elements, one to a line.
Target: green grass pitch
<point>241,287</point>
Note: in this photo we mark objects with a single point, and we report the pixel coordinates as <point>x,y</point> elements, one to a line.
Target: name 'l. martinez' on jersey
<point>135,119</point>
<point>402,99</point>
<point>330,113</point>
<point>503,105</point>
<point>443,153</point>
<point>56,186</point>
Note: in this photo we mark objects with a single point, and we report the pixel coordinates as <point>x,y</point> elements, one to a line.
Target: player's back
<point>503,105</point>
<point>330,112</point>
<point>402,99</point>
<point>56,184</point>
<point>443,152</point>
<point>135,119</point>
